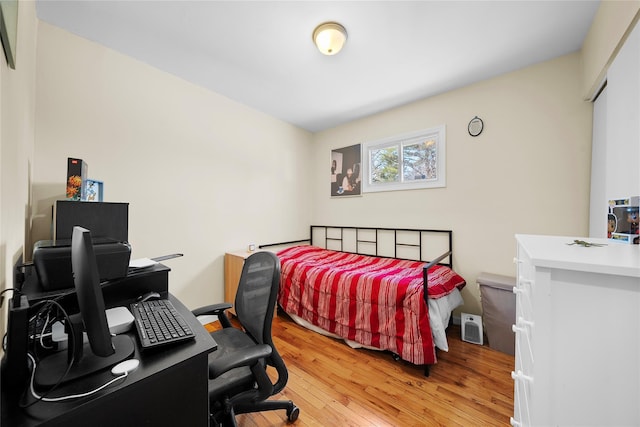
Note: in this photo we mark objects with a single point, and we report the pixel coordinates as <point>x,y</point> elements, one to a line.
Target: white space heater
<point>471,328</point>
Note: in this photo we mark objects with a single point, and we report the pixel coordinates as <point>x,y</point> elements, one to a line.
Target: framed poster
<point>346,175</point>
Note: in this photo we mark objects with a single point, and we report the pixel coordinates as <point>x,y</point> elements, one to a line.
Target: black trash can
<point>498,310</point>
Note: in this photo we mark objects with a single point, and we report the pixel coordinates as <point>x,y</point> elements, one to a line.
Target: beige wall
<point>528,172</point>
<point>203,174</point>
<point>17,103</point>
<point>611,26</point>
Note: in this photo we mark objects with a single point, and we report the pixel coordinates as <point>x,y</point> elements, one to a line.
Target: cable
<point>42,334</point>
<point>11,289</point>
<point>44,308</point>
<point>15,290</point>
<point>48,317</point>
<point>20,275</point>
<point>69,397</point>
<point>72,342</point>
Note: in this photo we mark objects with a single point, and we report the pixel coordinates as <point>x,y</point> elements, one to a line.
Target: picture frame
<point>9,29</point>
<point>346,171</point>
<point>94,190</point>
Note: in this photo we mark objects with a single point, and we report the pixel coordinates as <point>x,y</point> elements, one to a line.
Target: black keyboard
<point>159,323</point>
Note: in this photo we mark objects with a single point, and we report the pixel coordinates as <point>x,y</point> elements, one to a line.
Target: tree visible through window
<point>384,165</point>
<point>411,161</point>
<point>419,161</point>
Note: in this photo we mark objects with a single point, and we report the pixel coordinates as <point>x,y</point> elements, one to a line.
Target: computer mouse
<point>125,367</point>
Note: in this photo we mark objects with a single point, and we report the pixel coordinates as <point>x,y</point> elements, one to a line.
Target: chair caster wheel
<point>293,414</point>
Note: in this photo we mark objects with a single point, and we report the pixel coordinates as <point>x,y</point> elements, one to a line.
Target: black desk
<point>116,292</point>
<point>169,388</point>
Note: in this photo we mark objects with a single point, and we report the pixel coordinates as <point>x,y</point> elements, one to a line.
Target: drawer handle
<point>521,321</point>
<point>523,326</point>
<point>514,423</point>
<point>525,281</point>
<point>517,290</point>
<point>520,376</point>
<point>518,329</point>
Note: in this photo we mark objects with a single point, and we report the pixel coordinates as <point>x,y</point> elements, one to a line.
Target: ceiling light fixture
<point>329,37</point>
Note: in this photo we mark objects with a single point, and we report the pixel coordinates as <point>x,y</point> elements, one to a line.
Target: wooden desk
<point>169,388</point>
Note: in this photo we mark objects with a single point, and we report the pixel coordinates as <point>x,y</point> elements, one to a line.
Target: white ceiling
<point>260,53</point>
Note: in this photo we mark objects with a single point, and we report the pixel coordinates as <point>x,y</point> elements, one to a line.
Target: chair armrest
<point>212,309</point>
<point>245,357</point>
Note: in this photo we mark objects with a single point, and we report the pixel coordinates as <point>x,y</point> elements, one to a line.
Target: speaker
<point>104,219</point>
<point>471,328</point>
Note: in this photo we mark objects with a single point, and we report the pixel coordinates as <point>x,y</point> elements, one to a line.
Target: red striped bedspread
<point>374,301</point>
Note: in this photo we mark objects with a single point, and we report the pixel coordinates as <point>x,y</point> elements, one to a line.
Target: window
<point>405,162</point>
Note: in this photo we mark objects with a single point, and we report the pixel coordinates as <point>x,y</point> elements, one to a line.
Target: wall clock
<point>475,126</point>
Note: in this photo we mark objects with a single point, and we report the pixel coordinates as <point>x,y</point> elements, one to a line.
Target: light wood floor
<point>335,385</point>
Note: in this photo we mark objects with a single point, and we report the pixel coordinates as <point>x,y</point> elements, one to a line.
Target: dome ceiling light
<point>329,37</point>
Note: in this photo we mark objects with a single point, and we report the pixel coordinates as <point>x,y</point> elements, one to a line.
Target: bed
<point>366,286</point>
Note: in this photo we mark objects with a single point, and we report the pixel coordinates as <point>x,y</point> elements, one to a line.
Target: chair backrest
<point>256,295</point>
<point>255,304</point>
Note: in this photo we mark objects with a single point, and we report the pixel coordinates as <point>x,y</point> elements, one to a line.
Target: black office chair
<point>238,380</point>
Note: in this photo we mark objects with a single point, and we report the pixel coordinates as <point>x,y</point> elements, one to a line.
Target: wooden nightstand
<point>233,262</point>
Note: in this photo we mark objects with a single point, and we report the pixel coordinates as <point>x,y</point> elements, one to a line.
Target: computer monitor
<point>103,350</point>
<point>90,299</point>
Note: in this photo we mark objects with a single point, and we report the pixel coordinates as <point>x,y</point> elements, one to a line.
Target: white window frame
<point>438,133</point>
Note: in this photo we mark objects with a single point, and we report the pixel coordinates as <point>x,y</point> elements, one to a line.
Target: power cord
<point>69,397</point>
<point>46,307</point>
<point>45,310</point>
<point>15,291</point>
<point>45,314</point>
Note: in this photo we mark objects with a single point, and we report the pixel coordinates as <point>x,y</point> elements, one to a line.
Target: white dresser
<point>577,333</point>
